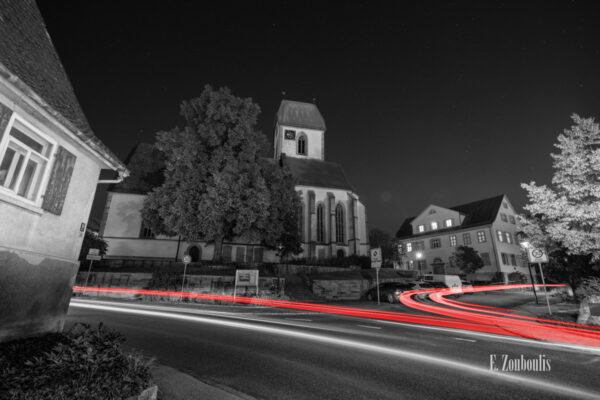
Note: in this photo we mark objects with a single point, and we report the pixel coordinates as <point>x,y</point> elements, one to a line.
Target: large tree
<point>281,230</point>
<point>564,217</point>
<point>467,259</point>
<point>146,169</point>
<point>213,187</point>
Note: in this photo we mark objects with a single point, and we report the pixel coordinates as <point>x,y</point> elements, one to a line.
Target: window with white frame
<point>481,237</point>
<point>421,228</point>
<point>408,247</point>
<point>434,225</point>
<point>24,160</point>
<point>448,223</point>
<point>453,240</point>
<point>435,243</point>
<point>508,237</point>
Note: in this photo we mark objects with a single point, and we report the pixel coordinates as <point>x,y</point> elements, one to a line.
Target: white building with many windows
<point>333,221</point>
<point>489,226</point>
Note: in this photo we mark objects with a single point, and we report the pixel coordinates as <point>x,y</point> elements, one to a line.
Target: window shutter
<point>56,191</point>
<point>5,114</point>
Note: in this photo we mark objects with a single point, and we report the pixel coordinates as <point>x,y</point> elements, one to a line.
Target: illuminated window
<point>481,236</point>
<point>448,223</point>
<point>508,237</point>
<point>500,236</point>
<point>408,247</point>
<point>453,240</point>
<point>434,225</point>
<point>421,228</point>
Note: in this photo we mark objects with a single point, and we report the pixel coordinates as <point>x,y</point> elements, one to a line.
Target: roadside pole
<point>186,260</point>
<point>376,263</point>
<point>545,290</point>
<point>532,284</point>
<point>377,274</point>
<point>93,254</point>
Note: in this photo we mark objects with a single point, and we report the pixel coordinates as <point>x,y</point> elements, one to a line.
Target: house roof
<point>324,174</point>
<point>29,60</point>
<point>477,213</point>
<point>301,115</point>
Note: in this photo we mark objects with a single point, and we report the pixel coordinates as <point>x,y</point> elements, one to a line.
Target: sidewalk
<point>176,385</point>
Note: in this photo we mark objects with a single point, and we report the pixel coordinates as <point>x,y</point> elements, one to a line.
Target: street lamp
<point>524,243</point>
<point>419,256</point>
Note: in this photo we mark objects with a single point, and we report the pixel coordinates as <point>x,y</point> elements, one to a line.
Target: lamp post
<point>419,256</point>
<point>522,238</point>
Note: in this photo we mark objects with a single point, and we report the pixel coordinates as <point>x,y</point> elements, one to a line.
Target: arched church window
<point>320,223</point>
<point>340,226</point>
<point>302,144</point>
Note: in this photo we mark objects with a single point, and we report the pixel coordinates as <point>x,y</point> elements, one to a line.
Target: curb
<point>176,385</point>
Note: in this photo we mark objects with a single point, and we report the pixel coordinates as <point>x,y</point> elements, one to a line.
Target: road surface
<point>284,354</point>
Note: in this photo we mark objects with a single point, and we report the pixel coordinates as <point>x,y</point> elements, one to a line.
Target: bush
<point>589,287</point>
<point>80,364</point>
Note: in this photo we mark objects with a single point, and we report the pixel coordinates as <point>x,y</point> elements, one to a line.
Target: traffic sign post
<point>539,256</point>
<point>93,254</point>
<point>376,263</point>
<point>186,260</point>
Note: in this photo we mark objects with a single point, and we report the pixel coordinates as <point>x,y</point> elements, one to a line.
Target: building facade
<point>489,226</point>
<point>332,223</point>
<point>50,162</point>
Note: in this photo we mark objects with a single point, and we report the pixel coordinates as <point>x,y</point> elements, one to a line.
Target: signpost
<point>539,256</point>
<point>93,254</point>
<point>186,260</point>
<point>245,278</point>
<point>376,263</point>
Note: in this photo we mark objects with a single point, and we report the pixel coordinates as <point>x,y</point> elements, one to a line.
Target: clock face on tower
<point>290,135</point>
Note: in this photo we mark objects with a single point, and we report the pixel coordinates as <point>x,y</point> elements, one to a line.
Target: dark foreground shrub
<point>82,363</point>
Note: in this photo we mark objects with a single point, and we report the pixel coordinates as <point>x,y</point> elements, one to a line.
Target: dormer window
<point>302,144</point>
<point>434,225</point>
<point>421,228</point>
<point>448,223</point>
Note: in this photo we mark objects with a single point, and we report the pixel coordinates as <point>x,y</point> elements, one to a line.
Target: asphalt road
<point>287,355</point>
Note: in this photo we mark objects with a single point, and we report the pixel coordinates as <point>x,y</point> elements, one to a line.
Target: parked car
<point>389,291</point>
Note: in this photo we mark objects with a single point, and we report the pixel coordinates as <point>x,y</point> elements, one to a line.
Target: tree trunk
<point>217,254</point>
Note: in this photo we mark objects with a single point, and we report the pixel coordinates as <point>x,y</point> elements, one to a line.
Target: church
<point>332,220</point>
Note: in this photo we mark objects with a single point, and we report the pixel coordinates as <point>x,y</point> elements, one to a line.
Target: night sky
<point>424,103</point>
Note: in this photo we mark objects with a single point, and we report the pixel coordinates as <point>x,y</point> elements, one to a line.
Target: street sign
<point>376,258</point>
<point>93,254</point>
<point>187,259</point>
<point>245,277</point>
<point>537,255</point>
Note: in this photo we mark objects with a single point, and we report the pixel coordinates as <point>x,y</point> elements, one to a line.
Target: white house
<point>488,226</point>
<point>50,162</point>
<point>333,221</point>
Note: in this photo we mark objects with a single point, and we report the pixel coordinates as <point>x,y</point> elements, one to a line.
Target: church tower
<point>299,131</point>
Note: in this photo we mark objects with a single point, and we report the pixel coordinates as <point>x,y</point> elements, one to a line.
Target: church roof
<point>28,59</point>
<point>323,174</point>
<point>477,213</point>
<point>300,115</point>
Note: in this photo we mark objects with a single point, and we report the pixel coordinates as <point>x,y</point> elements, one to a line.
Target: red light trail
<point>453,313</point>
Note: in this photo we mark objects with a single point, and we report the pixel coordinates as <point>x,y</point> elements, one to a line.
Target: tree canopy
<point>467,259</point>
<point>214,185</point>
<point>379,238</point>
<point>564,217</point>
